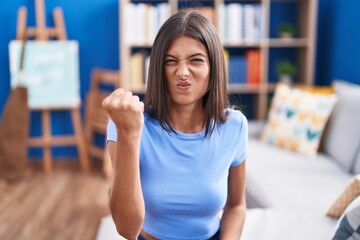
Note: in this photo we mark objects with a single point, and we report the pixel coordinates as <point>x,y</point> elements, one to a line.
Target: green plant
<point>285,67</point>
<point>286,28</point>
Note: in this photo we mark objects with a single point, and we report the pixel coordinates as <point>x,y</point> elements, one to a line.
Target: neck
<point>187,119</point>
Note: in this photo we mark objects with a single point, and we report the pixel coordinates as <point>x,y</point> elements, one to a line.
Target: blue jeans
<point>216,236</point>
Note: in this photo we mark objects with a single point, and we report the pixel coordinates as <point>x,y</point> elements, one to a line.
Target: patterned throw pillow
<point>348,226</point>
<point>297,119</point>
<point>351,192</point>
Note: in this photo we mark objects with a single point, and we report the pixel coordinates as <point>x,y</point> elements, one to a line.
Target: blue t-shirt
<point>184,177</point>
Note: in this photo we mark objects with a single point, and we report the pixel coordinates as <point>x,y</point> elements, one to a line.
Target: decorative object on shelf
<point>286,30</point>
<point>286,71</point>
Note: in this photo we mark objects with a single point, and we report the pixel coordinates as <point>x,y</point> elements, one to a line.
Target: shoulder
<point>236,123</point>
<point>236,117</point>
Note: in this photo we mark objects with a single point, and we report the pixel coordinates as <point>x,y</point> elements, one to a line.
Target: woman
<point>179,159</point>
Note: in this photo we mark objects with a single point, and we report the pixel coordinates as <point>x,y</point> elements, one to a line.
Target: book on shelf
<point>239,22</point>
<point>233,22</point>
<point>237,69</point>
<point>137,70</point>
<point>253,66</point>
<point>143,21</point>
<point>135,30</point>
<point>147,64</point>
<point>243,68</point>
<point>221,21</point>
<point>151,22</point>
<point>252,22</point>
<point>226,58</point>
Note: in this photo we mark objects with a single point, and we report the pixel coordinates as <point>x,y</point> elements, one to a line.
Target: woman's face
<point>187,70</point>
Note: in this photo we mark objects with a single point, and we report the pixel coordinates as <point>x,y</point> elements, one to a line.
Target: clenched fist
<point>126,111</point>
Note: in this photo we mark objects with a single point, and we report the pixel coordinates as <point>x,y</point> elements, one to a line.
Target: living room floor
<point>66,204</point>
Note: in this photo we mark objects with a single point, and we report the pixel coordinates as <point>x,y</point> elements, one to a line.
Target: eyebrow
<point>192,55</point>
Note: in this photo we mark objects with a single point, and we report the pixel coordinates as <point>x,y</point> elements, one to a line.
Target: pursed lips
<point>183,86</point>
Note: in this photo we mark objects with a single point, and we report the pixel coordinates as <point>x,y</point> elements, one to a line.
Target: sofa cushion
<point>351,192</point>
<point>348,226</point>
<point>276,224</point>
<point>297,119</point>
<point>280,178</point>
<point>342,137</point>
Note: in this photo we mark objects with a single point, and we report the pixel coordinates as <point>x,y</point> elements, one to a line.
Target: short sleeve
<point>111,134</point>
<point>242,145</point>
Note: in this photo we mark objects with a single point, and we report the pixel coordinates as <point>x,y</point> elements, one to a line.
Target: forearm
<point>232,222</point>
<point>126,200</point>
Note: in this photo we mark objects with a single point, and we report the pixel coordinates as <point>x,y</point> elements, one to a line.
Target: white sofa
<point>289,193</point>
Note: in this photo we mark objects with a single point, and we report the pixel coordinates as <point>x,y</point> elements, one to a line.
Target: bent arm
<point>126,200</point>
<point>234,212</point>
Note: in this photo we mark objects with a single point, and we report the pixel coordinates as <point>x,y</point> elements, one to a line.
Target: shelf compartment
<point>245,88</point>
<point>287,42</point>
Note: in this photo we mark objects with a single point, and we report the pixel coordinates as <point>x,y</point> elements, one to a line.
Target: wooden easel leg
<point>41,34</point>
<point>80,140</point>
<point>21,24</point>
<point>59,24</point>
<point>46,129</point>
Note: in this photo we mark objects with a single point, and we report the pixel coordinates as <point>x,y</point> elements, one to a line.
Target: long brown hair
<point>194,24</point>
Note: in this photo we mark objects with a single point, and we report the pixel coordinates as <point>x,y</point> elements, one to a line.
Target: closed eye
<point>170,61</point>
<point>197,60</point>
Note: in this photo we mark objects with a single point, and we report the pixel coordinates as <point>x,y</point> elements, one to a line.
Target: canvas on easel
<point>51,72</point>
<point>45,74</point>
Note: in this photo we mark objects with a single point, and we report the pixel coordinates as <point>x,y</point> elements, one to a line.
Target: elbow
<point>128,224</point>
<point>125,233</point>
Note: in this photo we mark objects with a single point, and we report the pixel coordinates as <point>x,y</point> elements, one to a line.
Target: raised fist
<point>126,111</point>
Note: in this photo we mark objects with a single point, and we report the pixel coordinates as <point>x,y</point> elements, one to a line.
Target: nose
<point>183,72</point>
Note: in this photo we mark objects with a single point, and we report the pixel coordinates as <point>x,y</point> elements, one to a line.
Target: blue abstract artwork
<point>51,72</point>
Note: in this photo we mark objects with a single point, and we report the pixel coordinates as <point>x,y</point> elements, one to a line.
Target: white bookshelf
<point>303,45</point>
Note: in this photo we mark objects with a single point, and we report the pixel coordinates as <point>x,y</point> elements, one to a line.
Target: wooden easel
<point>42,33</point>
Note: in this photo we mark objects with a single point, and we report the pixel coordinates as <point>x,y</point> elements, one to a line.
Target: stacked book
<point>239,22</point>
<point>143,22</point>
<point>139,67</point>
<point>243,68</point>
